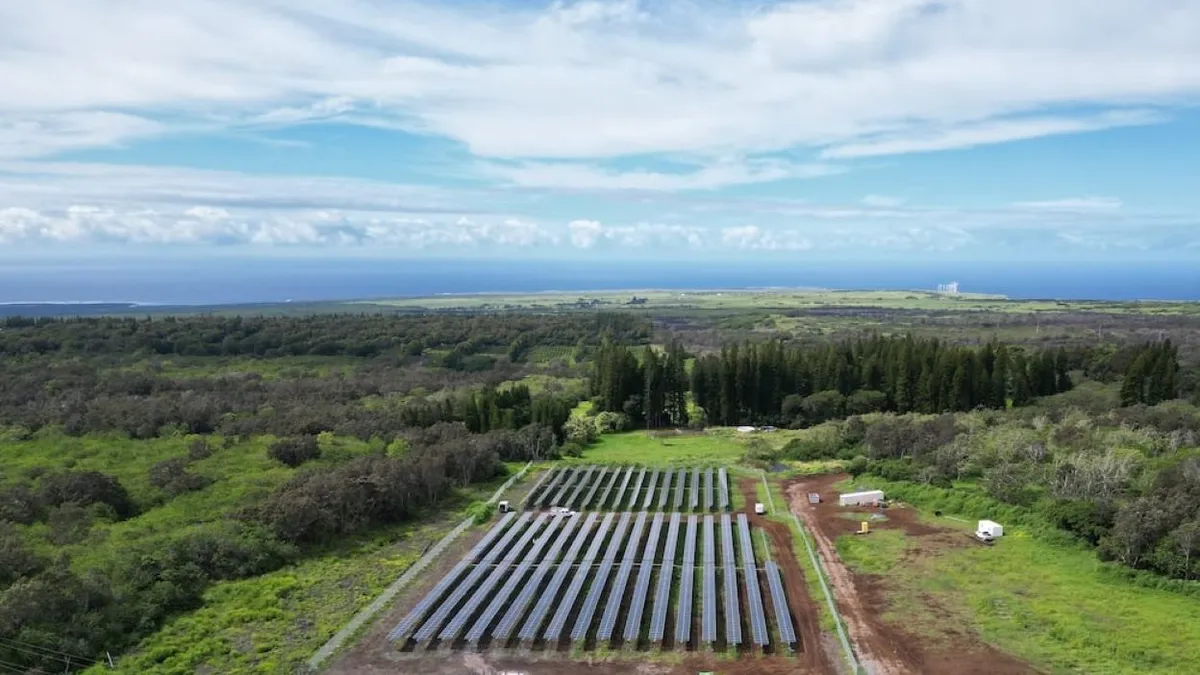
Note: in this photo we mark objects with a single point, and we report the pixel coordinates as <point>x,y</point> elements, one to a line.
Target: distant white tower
<point>948,289</point>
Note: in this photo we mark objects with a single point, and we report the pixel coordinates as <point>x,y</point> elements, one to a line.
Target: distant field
<point>657,300</point>
<point>639,447</point>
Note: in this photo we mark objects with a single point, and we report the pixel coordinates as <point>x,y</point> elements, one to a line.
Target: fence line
<point>365,614</point>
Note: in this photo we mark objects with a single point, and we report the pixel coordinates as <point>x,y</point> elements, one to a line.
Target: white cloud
<point>1087,204</point>
<point>987,133</point>
<point>882,201</point>
<point>577,176</point>
<point>33,136</point>
<point>594,79</point>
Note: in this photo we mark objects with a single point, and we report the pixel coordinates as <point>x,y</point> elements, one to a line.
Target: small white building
<point>868,497</point>
<point>746,430</point>
<point>990,528</point>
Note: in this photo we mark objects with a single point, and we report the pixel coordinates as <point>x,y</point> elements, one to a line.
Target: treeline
<point>1152,375</point>
<point>350,335</point>
<point>48,608</point>
<point>773,383</point>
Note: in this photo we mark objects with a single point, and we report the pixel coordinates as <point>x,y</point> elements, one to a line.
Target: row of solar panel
<point>523,557</point>
<point>630,488</point>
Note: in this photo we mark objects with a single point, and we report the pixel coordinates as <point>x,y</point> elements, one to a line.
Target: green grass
<point>663,449</point>
<point>1051,604</point>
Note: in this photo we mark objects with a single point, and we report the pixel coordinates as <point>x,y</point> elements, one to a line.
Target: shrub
<point>199,449</point>
<point>85,488</point>
<point>172,477</point>
<point>294,451</point>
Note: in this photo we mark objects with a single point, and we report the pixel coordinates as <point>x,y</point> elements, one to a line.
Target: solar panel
<point>534,492</point>
<point>591,493</point>
<point>650,490</point>
<point>633,622</point>
<point>508,622</point>
<point>733,615</point>
<point>554,630</point>
<point>637,489</point>
<point>430,627</point>
<point>723,486</point>
<point>758,619</point>
<point>552,487</point>
<point>708,490</point>
<point>695,489</point>
<point>600,581</point>
<point>417,613</point>
<point>787,632</point>
<point>616,500</point>
<point>561,494</point>
<point>680,483</point>
<point>513,578</point>
<point>608,620</point>
<point>580,487</point>
<point>708,599</point>
<point>665,491</point>
<point>687,575</point>
<point>550,590</point>
<point>456,625</point>
<point>666,569</point>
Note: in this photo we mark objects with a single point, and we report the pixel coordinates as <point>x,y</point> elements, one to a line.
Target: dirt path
<point>814,652</point>
<point>882,647</point>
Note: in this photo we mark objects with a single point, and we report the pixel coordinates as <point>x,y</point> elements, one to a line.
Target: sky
<point>804,129</point>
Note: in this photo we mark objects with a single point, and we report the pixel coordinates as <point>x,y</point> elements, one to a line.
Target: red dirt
<point>885,648</point>
<point>804,609</point>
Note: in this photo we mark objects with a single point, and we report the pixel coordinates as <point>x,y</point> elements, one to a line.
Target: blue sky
<point>809,129</point>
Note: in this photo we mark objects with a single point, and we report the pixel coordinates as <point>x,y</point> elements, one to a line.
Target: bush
<point>85,488</point>
<point>16,559</point>
<point>294,451</point>
<point>172,477</point>
<point>199,449</point>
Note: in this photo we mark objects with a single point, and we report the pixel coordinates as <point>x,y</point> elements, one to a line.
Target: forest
<point>144,460</point>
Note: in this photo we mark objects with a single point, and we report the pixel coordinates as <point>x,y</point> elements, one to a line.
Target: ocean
<point>267,280</point>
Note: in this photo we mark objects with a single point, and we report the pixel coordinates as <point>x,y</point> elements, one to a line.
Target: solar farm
<point>634,558</point>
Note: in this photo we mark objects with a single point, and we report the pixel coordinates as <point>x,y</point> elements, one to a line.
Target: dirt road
<point>883,647</point>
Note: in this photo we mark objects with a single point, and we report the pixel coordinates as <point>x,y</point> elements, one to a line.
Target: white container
<point>860,498</point>
<point>759,508</point>
<point>504,506</point>
<point>990,528</point>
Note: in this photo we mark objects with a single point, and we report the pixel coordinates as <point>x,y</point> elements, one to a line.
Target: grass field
<point>664,449</point>
<point>1051,604</point>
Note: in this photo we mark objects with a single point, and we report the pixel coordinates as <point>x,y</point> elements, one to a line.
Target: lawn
<point>663,449</point>
<point>1054,605</point>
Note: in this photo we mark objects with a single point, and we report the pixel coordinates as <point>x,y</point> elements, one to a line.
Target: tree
<point>823,406</point>
<point>294,451</point>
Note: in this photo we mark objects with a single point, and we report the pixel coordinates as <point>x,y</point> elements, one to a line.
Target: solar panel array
<point>758,619</point>
<point>429,628</point>
<point>554,630</point>
<point>573,498</point>
<point>542,578</point>
<point>783,619</point>
<point>666,569</point>
<point>426,603</point>
<point>512,582</point>
<point>649,500</point>
<point>637,605</point>
<point>708,590</point>
<point>600,580</point>
<point>608,621</point>
<point>687,576</point>
<point>733,614</point>
<point>455,628</point>
<point>508,622</point>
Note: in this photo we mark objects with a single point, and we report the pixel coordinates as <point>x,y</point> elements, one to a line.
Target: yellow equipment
<point>864,528</point>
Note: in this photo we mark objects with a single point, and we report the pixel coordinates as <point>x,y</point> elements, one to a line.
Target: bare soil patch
<point>884,647</point>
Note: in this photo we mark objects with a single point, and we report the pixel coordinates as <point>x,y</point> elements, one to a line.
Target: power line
<point>46,651</point>
<point>13,668</point>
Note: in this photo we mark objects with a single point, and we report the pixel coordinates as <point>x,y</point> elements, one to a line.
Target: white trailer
<point>989,530</point>
<point>868,497</point>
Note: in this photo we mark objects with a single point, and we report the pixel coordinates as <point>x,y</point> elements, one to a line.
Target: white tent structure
<point>860,498</point>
